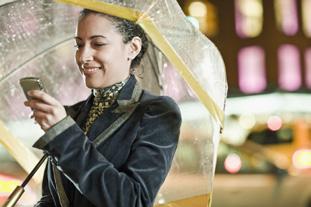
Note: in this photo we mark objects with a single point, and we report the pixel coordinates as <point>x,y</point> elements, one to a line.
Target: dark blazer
<point>121,162</point>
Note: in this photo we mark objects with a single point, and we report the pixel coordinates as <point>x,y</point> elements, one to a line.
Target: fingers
<point>43,97</point>
<point>47,111</point>
<point>36,105</point>
<point>43,119</point>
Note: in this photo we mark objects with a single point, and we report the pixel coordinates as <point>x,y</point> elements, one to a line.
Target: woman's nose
<point>86,54</point>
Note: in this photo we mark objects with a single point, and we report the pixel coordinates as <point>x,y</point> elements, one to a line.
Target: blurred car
<point>247,176</point>
<point>292,140</point>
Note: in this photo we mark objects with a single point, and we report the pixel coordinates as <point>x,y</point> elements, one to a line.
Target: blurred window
<point>306,17</point>
<point>206,15</point>
<point>249,17</point>
<point>268,136</point>
<point>252,75</point>
<point>289,67</point>
<point>308,67</point>
<point>286,16</point>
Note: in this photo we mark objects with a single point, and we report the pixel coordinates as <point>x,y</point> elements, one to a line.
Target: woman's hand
<point>47,111</point>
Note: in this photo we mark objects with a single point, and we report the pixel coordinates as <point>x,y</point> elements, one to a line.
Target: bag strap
<point>62,197</point>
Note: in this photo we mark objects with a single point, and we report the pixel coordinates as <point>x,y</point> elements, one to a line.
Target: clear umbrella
<point>37,40</point>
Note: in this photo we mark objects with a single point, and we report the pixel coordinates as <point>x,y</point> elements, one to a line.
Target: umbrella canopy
<point>37,40</point>
<point>193,55</point>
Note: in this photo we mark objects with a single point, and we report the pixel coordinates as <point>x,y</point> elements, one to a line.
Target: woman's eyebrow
<point>92,37</point>
<point>96,36</point>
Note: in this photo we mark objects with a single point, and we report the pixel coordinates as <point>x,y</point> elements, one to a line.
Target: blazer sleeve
<point>139,180</point>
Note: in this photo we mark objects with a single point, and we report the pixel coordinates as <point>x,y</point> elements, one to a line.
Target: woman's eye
<point>99,44</point>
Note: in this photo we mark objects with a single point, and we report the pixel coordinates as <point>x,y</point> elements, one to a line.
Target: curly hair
<point>127,29</point>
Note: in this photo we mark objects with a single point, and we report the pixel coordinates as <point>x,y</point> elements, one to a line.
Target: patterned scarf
<point>103,99</point>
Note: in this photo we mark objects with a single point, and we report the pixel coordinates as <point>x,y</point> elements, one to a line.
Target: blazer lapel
<point>113,119</point>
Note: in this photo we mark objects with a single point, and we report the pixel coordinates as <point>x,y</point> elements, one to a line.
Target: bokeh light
<point>302,159</point>
<point>249,17</point>
<point>233,163</point>
<point>286,16</point>
<point>289,67</point>
<point>252,72</point>
<point>247,121</point>
<point>197,9</point>
<point>274,123</point>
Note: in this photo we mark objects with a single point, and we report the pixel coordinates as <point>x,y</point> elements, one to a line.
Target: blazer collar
<point>128,98</point>
<point>129,95</point>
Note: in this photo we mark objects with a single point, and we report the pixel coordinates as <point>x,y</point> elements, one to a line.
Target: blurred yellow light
<point>250,22</point>
<point>302,159</point>
<point>254,28</point>
<point>7,186</point>
<point>247,121</point>
<point>252,8</point>
<point>197,9</point>
<point>306,17</point>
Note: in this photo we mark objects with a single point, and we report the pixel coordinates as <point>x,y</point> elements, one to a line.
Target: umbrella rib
<point>6,2</point>
<point>182,68</point>
<point>44,51</point>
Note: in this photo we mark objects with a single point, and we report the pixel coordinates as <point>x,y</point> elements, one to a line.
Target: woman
<point>115,148</point>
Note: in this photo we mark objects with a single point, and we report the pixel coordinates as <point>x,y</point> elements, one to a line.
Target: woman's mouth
<point>90,70</point>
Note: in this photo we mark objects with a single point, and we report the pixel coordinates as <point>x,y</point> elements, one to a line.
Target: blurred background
<point>264,155</point>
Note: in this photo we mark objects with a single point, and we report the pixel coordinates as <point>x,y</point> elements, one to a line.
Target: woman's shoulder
<point>157,103</point>
<point>160,111</point>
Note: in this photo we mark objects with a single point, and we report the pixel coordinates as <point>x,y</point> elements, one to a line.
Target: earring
<point>132,71</point>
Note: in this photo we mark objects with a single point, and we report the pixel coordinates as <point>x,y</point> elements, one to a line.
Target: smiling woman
<point>104,55</point>
<point>116,147</point>
<point>37,40</point>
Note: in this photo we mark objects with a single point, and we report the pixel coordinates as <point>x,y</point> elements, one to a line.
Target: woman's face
<point>102,56</point>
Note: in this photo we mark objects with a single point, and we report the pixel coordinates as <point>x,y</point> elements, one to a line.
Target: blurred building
<point>265,44</point>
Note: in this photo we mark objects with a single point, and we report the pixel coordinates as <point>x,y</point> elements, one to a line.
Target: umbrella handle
<point>14,197</point>
<point>19,190</point>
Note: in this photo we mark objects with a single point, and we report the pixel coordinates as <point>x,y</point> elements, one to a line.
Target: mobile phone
<point>31,83</point>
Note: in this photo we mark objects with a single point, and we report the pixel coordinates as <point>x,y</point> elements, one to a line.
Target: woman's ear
<point>134,47</point>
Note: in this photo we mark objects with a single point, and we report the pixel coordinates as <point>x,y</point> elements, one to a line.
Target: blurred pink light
<point>289,68</point>
<point>274,123</point>
<point>289,17</point>
<point>252,75</point>
<point>308,67</point>
<point>233,163</point>
<point>239,22</point>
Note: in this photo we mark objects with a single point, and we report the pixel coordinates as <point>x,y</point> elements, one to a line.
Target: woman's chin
<point>92,84</point>
<point>95,84</point>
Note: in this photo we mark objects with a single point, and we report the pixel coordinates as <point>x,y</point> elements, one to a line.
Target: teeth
<point>90,69</point>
